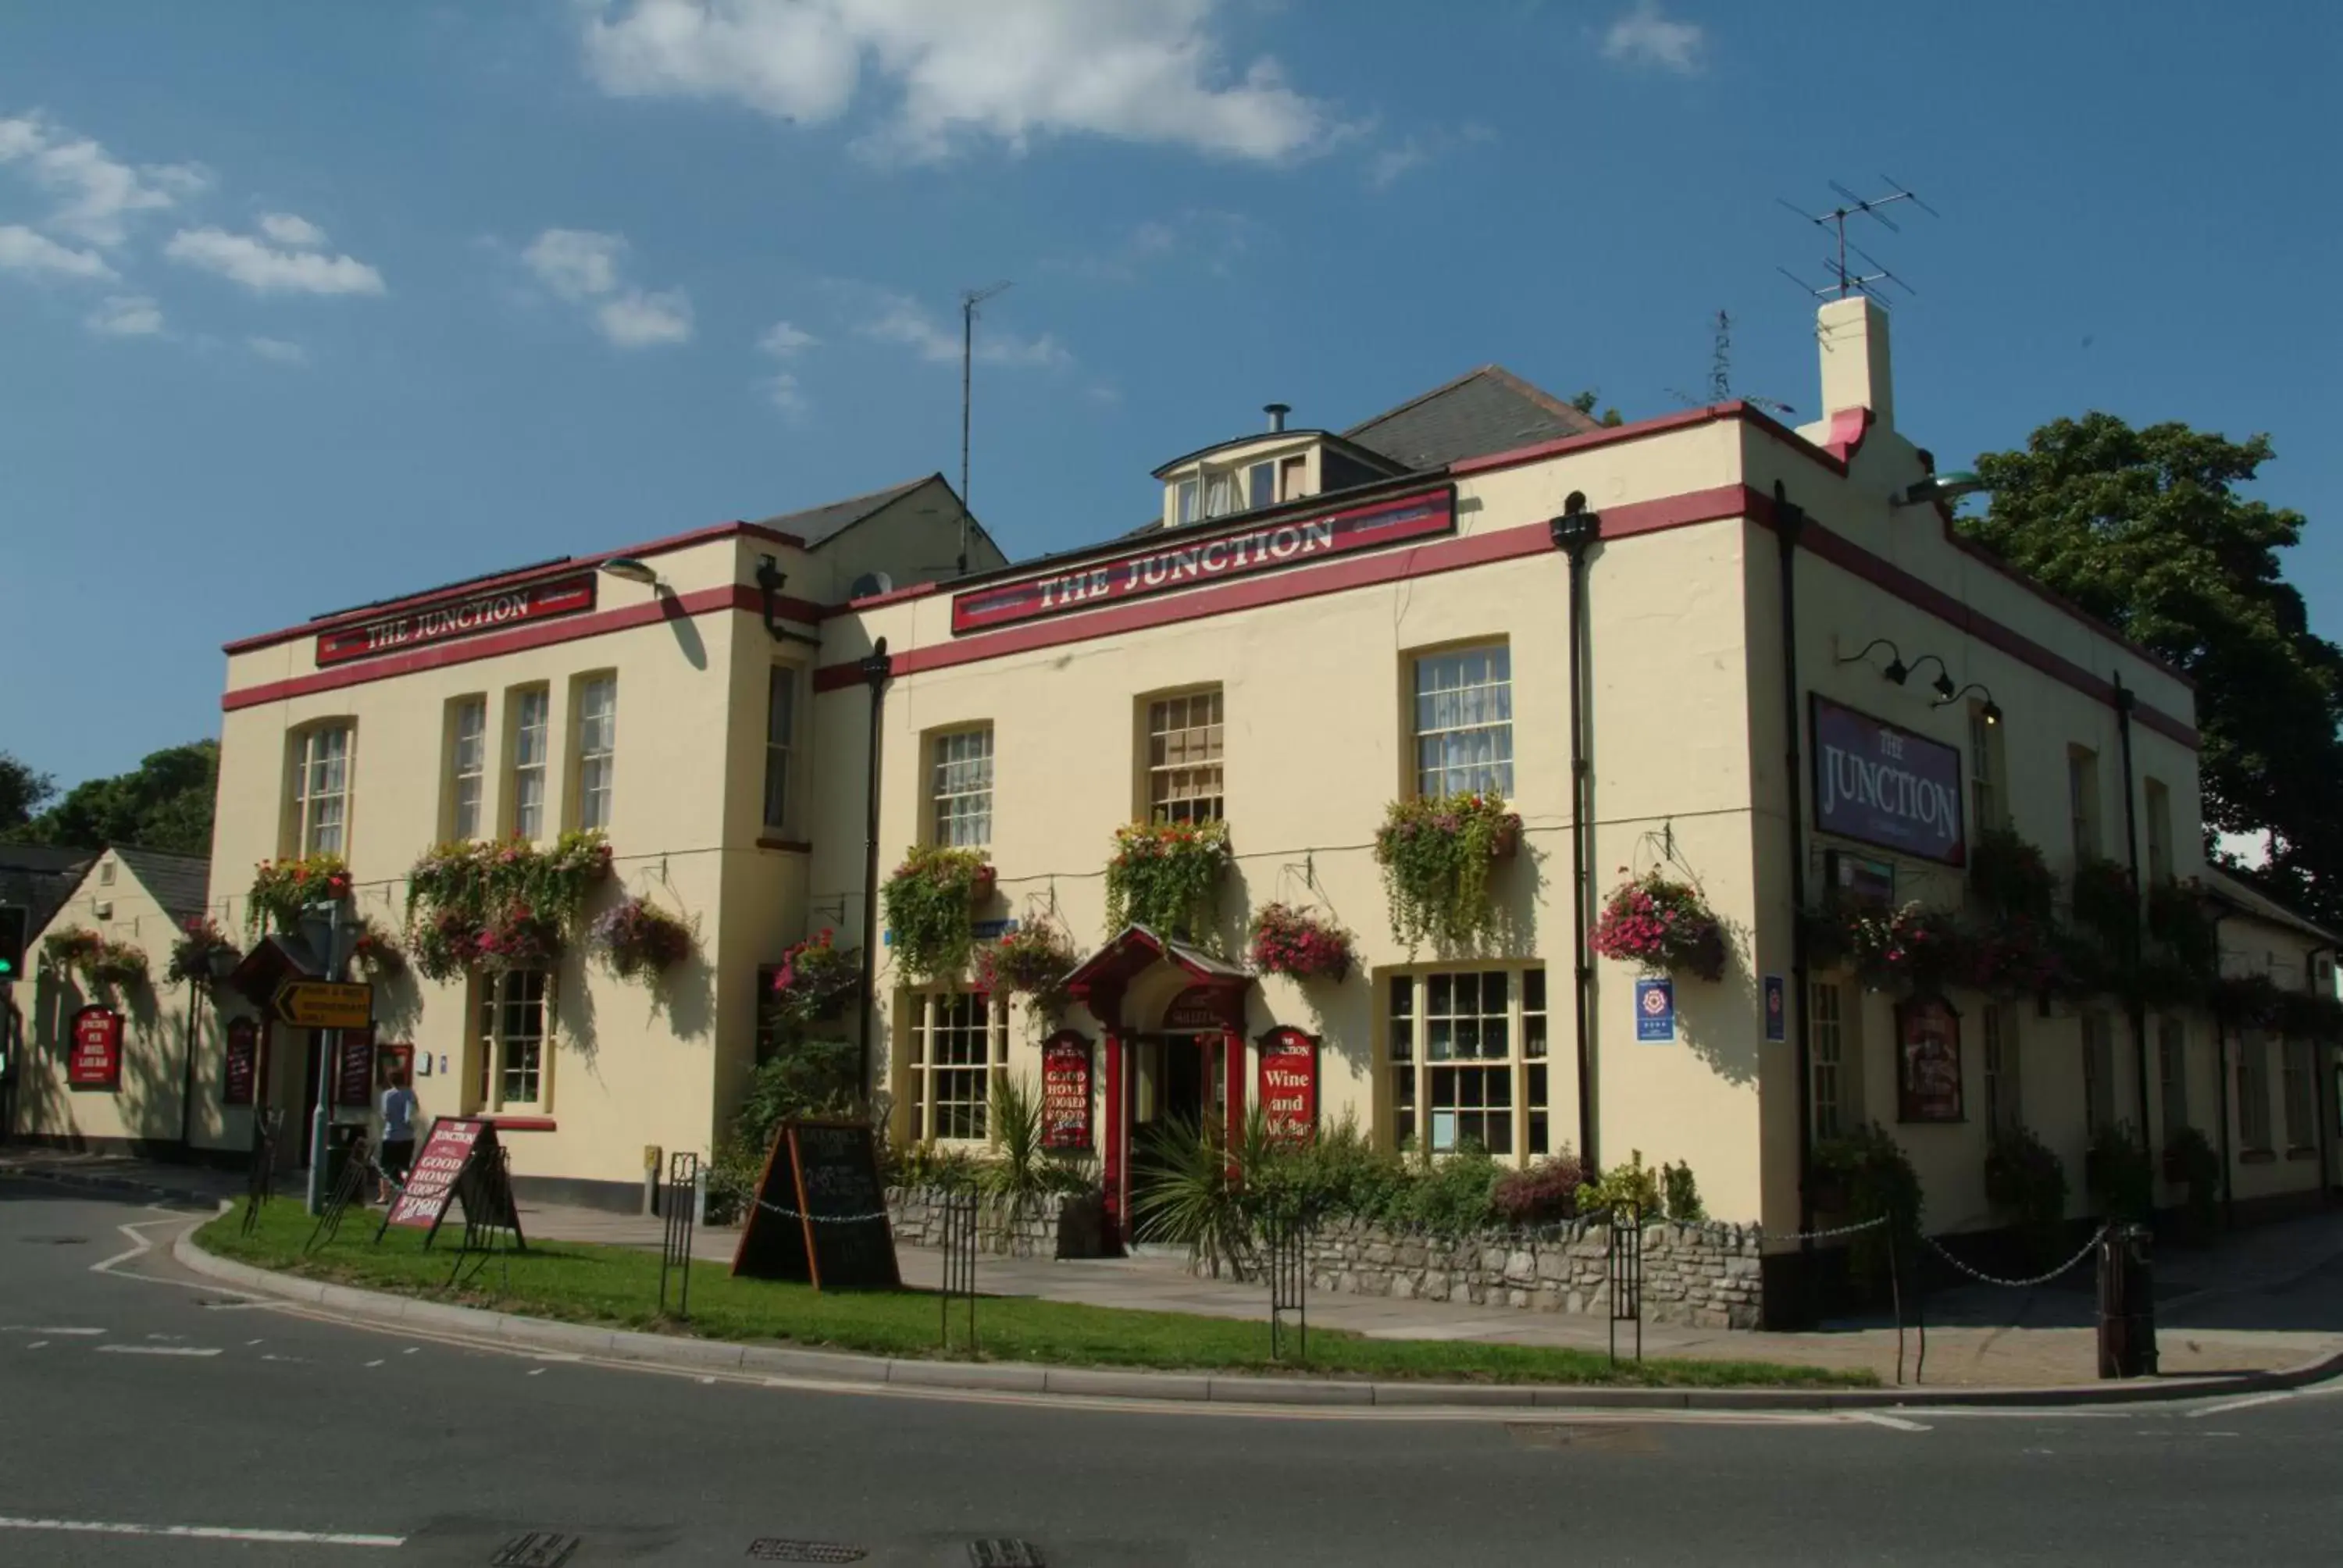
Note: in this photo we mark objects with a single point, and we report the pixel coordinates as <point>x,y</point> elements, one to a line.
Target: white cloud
<point>898,319</point>
<point>1197,236</point>
<point>286,229</point>
<point>584,267</point>
<point>1643,36</point>
<point>277,350</point>
<point>1012,70</point>
<point>22,251</point>
<point>96,193</point>
<point>265,269</point>
<point>1389,162</point>
<point>784,339</point>
<point>786,393</point>
<point>125,315</point>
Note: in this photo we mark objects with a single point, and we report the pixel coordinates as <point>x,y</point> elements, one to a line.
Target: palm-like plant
<point>1205,1195</point>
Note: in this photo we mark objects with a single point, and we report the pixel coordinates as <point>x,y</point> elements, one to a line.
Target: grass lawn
<point>619,1286</point>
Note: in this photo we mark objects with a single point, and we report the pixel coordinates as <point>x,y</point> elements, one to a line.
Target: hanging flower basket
<point>1032,960</point>
<point>118,966</point>
<point>444,944</point>
<point>929,901</point>
<point>2009,879</point>
<point>1436,855</point>
<point>2014,957</point>
<point>376,951</point>
<point>281,889</point>
<point>487,903</point>
<point>639,941</point>
<point>1297,943</point>
<point>191,955</point>
<point>1166,876</point>
<point>1915,949</point>
<point>71,951</point>
<point>1662,925</point>
<point>815,977</point>
<point>519,939</point>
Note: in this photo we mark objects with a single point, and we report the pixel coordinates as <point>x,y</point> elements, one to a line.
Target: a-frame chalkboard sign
<point>831,1229</point>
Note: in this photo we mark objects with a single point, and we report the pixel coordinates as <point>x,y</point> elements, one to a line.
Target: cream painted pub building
<point>1753,656</point>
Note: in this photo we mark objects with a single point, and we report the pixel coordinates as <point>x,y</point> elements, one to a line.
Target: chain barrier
<point>1978,1274</point>
<point>1873,1224</point>
<point>823,1219</point>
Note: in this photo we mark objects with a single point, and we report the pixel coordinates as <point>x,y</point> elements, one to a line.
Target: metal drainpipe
<point>2320,1075</point>
<point>2221,1071</point>
<point>876,668</point>
<point>1573,533</point>
<point>2124,698</point>
<point>1789,520</point>
<point>187,1071</point>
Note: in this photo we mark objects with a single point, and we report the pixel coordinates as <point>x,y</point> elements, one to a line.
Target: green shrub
<point>1631,1186</point>
<point>1879,1183</point>
<point>2190,1159</point>
<point>1683,1193</point>
<point>2118,1174</point>
<point>2024,1181</point>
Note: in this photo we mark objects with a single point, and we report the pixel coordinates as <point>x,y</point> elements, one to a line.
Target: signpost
<point>97,1059</point>
<point>1066,1090</point>
<point>819,1214</point>
<point>326,1004</point>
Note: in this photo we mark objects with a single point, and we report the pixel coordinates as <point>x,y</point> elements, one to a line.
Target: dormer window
<point>1247,487</point>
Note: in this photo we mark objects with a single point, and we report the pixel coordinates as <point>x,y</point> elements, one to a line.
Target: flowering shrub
<point>505,905</point>
<point>282,888</point>
<point>813,976</point>
<point>1166,876</point>
<point>928,902</point>
<point>1541,1194</point>
<point>1291,941</point>
<point>191,955</point>
<point>1662,924</point>
<point>1436,853</point>
<point>1035,960</point>
<point>376,951</point>
<point>638,940</point>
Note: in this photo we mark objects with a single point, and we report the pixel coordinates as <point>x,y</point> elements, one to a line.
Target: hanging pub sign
<point>1240,550</point>
<point>457,616</point>
<point>354,1075</point>
<point>243,1055</point>
<point>1199,1009</point>
<point>95,1056</point>
<point>1879,783</point>
<point>1288,1083</point>
<point>1066,1090</point>
<point>1927,1061</point>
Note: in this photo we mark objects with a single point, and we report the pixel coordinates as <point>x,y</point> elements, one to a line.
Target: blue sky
<point>307,305</point>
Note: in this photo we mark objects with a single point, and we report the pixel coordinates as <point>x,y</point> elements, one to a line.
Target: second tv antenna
<point>1848,276</point>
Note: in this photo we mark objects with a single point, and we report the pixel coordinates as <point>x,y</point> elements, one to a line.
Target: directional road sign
<point>326,1004</point>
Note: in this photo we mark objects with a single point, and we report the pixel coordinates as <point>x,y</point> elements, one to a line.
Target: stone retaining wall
<point>917,1214</point>
<point>1705,1275</point>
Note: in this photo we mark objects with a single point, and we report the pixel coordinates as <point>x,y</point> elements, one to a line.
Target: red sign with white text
<point>1288,1074</point>
<point>449,618</point>
<point>354,1073</point>
<point>1066,1091</point>
<point>431,1182</point>
<point>1242,550</point>
<point>95,1061</point>
<point>243,1057</point>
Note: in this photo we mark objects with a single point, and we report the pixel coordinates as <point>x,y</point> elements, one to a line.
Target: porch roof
<point>1135,949</point>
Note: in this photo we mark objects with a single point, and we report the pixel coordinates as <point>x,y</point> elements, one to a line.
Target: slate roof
<point>816,524</point>
<point>41,877</point>
<point>2261,906</point>
<point>1483,411</point>
<point>180,883</point>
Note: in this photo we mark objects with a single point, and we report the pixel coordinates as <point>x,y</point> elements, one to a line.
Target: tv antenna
<point>969,299</point>
<point>1720,376</point>
<point>1848,276</point>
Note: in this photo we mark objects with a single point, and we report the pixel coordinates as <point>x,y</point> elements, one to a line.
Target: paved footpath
<point>2266,1299</point>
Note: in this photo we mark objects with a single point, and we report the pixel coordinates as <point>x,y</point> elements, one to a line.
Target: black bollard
<point>2127,1302</point>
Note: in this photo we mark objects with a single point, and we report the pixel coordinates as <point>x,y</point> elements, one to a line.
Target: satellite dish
<point>870,584</point>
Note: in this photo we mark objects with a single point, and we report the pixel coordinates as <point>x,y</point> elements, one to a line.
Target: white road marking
<point>160,1350</point>
<point>552,1356</point>
<point>22,1328</point>
<point>374,1363</point>
<point>536,1371</point>
<point>410,1350</point>
<point>1894,1421</point>
<point>203,1533</point>
<point>168,1338</point>
<point>270,1356</point>
<point>2241,1405</point>
<point>133,1230</point>
<point>250,1344</point>
<point>36,1344</point>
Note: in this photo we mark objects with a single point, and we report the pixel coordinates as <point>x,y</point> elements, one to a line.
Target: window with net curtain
<point>1463,721</point>
<point>962,788</point>
<point>532,710</point>
<point>597,745</point>
<point>321,782</point>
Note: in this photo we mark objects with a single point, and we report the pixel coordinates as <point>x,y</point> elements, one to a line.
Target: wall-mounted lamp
<point>633,570</point>
<point>1938,487</point>
<point>1944,681</point>
<point>769,579</point>
<point>1990,712</point>
<point>1897,670</point>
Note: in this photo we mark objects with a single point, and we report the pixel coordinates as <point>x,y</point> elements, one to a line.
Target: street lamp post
<point>218,964</point>
<point>326,918</point>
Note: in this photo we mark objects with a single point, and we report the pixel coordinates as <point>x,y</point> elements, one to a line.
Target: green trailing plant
<point>929,903</point>
<point>2191,1163</point>
<point>281,889</point>
<point>1683,1194</point>
<point>1166,876</point>
<point>1662,924</point>
<point>2117,1172</point>
<point>1437,854</point>
<point>71,951</point>
<point>96,962</point>
<point>1876,1181</point>
<point>2025,1182</point>
<point>1031,961</point>
<point>1631,1188</point>
<point>2009,879</point>
<point>191,954</point>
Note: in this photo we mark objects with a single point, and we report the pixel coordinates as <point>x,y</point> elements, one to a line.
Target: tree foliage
<point>165,803</point>
<point>22,791</point>
<point>2145,529</point>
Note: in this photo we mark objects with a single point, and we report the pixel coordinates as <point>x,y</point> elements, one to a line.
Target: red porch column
<point>1232,1061</point>
<point>1117,1137</point>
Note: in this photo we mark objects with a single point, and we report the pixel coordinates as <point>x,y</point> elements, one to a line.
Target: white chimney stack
<point>1853,333</point>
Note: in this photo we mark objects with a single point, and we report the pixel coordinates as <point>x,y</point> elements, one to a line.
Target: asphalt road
<point>135,1400</point>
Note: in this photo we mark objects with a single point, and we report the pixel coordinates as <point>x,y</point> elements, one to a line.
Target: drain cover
<point>1004,1553</point>
<point>778,1549</point>
<point>54,1240</point>
<point>538,1549</point>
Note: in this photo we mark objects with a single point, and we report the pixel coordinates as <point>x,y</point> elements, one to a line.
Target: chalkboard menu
<point>825,1175</point>
<point>242,1054</point>
<point>354,1078</point>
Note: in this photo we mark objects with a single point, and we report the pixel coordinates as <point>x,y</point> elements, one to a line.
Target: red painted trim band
<point>741,597</point>
<point>521,1124</point>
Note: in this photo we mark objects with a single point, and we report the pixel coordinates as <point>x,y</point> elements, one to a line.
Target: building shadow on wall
<point>1707,1011</point>
<point>687,634</point>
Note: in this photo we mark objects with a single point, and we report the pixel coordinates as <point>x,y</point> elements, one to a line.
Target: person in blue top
<point>397,1139</point>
